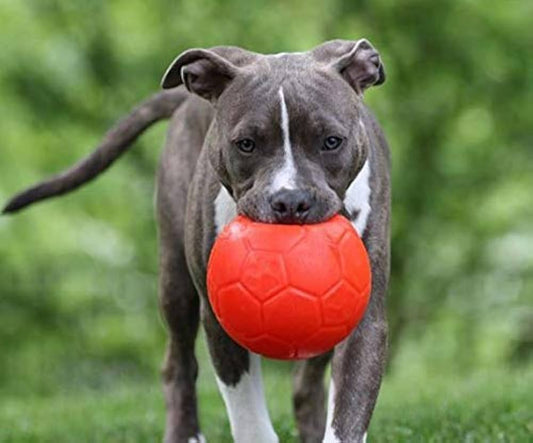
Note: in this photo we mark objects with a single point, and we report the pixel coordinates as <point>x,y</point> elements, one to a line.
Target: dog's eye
<point>246,145</point>
<point>331,143</point>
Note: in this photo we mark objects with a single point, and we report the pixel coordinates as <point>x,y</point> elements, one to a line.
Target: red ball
<point>288,291</point>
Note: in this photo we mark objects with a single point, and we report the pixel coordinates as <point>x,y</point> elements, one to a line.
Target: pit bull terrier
<point>279,138</point>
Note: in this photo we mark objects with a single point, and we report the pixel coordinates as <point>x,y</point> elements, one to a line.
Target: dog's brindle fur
<point>287,104</point>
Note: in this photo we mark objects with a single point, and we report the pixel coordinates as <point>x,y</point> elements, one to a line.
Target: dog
<point>282,138</point>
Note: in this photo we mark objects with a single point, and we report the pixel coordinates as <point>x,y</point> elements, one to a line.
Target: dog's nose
<point>291,206</point>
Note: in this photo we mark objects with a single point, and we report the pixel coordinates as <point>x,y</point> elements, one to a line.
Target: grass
<point>484,407</point>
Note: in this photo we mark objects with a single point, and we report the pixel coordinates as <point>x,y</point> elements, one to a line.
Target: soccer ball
<point>288,291</point>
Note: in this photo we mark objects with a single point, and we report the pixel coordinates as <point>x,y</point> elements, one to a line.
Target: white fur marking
<point>225,209</point>
<point>286,176</point>
<point>358,198</point>
<point>329,436</point>
<point>245,403</point>
<point>197,439</point>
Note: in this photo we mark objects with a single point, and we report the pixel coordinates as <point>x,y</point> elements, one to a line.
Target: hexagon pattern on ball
<point>289,291</point>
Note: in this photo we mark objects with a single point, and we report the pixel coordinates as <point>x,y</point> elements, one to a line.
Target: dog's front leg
<point>357,367</point>
<point>239,379</point>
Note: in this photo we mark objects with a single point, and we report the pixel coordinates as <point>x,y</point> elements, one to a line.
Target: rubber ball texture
<point>288,291</point>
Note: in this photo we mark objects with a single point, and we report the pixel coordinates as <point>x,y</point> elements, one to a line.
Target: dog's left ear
<point>358,62</point>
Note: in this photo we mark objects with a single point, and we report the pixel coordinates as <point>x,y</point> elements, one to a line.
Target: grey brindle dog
<point>280,138</point>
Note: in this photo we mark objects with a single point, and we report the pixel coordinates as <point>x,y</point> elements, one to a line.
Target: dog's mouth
<point>304,217</point>
<point>300,206</point>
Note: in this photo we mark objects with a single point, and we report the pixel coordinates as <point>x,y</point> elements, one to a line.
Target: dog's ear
<point>207,72</point>
<point>357,61</point>
<point>202,71</point>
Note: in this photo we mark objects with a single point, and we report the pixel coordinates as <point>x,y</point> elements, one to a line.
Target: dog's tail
<point>117,140</point>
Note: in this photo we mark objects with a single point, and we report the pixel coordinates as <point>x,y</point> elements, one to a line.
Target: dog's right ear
<point>203,72</point>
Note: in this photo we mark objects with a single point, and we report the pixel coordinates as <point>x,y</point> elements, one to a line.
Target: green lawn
<point>490,406</point>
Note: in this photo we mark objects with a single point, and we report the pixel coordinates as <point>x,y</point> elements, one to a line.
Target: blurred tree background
<point>78,299</point>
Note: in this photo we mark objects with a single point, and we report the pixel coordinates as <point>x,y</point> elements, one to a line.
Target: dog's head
<point>287,138</point>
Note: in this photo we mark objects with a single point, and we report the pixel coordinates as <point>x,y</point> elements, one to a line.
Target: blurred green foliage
<point>78,304</point>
